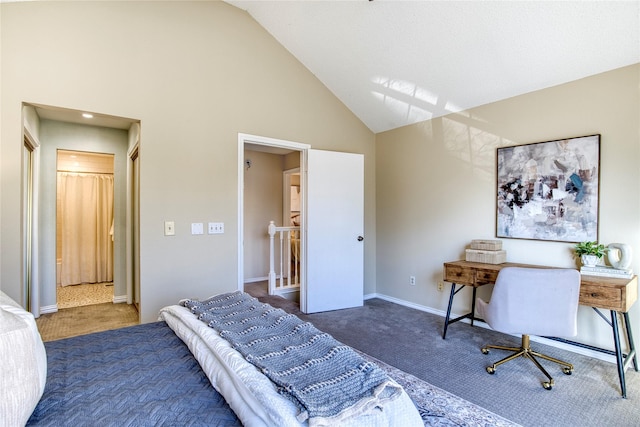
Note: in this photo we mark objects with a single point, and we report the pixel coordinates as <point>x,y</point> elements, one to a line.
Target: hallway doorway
<point>78,133</point>
<point>262,195</point>
<point>84,228</point>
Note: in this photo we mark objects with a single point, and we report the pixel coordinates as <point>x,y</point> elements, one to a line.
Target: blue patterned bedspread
<point>137,376</point>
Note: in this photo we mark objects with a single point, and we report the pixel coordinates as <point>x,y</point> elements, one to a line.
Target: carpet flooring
<point>411,340</point>
<point>85,294</point>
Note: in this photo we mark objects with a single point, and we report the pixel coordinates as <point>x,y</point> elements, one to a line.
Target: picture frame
<point>549,190</point>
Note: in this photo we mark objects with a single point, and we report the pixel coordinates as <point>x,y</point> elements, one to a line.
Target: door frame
<point>277,146</point>
<point>286,194</point>
<point>132,221</point>
<point>30,231</point>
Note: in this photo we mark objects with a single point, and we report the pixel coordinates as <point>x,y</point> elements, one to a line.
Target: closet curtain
<point>86,205</point>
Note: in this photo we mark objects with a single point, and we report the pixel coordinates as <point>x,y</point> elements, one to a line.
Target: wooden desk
<point>616,295</point>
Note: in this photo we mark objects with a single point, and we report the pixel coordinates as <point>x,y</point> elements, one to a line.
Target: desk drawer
<point>457,274</point>
<point>484,277</point>
<point>602,297</point>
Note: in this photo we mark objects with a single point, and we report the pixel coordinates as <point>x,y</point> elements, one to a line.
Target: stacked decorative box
<point>486,251</point>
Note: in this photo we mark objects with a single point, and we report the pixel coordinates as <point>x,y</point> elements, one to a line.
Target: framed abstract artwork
<point>549,190</point>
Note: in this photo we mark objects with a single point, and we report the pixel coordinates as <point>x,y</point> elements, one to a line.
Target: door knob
<point>360,238</point>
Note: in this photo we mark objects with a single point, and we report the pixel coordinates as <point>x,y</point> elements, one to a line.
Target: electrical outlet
<point>440,286</point>
<point>412,280</point>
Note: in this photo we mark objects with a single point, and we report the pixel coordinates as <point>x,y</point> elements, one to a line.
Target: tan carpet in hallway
<point>71,322</point>
<point>86,294</point>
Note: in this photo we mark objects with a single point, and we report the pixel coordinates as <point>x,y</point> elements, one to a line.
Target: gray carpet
<point>411,340</point>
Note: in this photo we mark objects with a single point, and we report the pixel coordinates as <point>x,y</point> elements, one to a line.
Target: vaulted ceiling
<point>395,62</point>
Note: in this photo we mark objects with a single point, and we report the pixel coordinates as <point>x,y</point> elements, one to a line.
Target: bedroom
<point>218,73</point>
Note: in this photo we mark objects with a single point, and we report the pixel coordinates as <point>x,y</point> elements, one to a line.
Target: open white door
<point>334,231</point>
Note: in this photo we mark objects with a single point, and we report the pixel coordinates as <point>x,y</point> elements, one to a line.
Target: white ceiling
<point>395,62</point>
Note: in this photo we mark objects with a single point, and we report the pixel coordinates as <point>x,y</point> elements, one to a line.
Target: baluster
<point>281,254</point>
<point>289,254</point>
<point>272,271</point>
<point>288,258</point>
<point>296,249</point>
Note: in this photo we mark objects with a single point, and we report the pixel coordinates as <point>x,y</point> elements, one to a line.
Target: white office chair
<point>532,301</point>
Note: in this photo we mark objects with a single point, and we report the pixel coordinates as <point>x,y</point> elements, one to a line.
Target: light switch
<point>216,228</point>
<point>197,228</point>
<point>169,228</point>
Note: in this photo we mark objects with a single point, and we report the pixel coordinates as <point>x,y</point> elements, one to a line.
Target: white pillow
<point>23,370</point>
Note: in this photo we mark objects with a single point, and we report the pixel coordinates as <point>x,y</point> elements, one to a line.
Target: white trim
<point>256,279</point>
<point>271,142</point>
<point>49,309</point>
<point>34,143</point>
<point>121,299</point>
<point>34,147</point>
<point>575,349</point>
<point>241,140</point>
<point>286,193</point>
<point>134,150</point>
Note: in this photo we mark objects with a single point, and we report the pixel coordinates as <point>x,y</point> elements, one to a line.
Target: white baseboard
<point>49,309</point>
<point>256,279</point>
<point>546,341</point>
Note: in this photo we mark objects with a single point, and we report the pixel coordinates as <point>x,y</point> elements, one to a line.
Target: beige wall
<point>436,185</point>
<point>195,74</point>
<point>262,203</point>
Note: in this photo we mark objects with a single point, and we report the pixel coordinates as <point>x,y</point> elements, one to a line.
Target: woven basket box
<point>486,245</point>
<point>487,257</point>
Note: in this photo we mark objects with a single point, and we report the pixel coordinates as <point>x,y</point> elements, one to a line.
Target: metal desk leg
<point>632,347</point>
<point>619,359</point>
<point>473,305</point>
<point>446,320</point>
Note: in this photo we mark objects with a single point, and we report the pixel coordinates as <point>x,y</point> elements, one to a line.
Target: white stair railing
<point>289,255</point>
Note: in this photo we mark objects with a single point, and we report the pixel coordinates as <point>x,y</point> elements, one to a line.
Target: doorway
<point>84,228</point>
<point>331,222</point>
<point>52,129</point>
<point>287,155</point>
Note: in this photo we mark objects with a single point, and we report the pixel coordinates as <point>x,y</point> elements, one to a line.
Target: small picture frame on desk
<point>549,190</point>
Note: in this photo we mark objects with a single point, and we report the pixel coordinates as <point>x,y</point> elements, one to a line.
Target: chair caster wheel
<point>567,371</point>
<point>547,385</point>
<point>484,350</point>
<point>491,370</point>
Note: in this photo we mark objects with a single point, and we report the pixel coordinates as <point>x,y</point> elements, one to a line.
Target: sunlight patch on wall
<point>466,136</point>
<point>472,144</point>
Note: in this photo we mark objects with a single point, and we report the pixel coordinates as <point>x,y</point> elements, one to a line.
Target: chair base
<point>525,351</point>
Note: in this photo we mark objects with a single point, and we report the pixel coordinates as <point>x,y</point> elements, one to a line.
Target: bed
<point>250,378</point>
<point>149,375</point>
